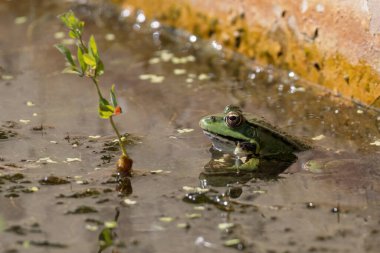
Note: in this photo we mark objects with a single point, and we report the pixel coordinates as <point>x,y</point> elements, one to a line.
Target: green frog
<point>249,137</point>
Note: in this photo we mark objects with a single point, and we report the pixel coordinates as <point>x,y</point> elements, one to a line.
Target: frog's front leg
<point>247,148</point>
<point>252,163</point>
<point>251,147</point>
<point>246,151</point>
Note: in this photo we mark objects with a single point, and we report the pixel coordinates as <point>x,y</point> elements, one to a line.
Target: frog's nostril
<point>212,118</point>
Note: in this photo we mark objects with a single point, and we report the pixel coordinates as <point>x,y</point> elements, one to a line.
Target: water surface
<point>47,117</point>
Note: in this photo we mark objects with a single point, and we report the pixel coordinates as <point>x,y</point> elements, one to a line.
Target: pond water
<point>166,82</point>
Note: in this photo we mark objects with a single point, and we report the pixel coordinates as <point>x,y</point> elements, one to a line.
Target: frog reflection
<point>223,170</point>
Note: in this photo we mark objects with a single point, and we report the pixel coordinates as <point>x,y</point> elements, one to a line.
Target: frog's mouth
<point>222,143</point>
<point>230,145</point>
<point>221,138</point>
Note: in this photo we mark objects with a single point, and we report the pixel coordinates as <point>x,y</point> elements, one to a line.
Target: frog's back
<point>298,144</point>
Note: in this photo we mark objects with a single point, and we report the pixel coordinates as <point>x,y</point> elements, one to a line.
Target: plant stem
<point>119,137</point>
<point>111,120</point>
<point>84,48</point>
<point>97,86</point>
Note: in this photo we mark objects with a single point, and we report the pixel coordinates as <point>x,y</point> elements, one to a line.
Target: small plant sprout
<point>89,64</point>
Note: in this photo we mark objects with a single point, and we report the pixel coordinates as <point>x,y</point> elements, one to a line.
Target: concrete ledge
<point>333,43</point>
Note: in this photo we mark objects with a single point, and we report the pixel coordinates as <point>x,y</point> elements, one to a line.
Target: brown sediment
<point>316,50</point>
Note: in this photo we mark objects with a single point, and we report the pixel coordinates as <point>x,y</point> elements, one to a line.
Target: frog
<point>244,135</point>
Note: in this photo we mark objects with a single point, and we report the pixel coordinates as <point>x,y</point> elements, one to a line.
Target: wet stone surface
<point>59,191</point>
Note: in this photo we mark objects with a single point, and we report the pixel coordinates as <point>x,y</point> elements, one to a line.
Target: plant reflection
<point>124,185</point>
<point>108,235</point>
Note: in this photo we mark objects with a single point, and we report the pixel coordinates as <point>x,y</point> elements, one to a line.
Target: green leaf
<point>113,96</point>
<point>66,52</point>
<point>73,23</point>
<point>93,47</point>
<point>71,70</point>
<point>73,35</point>
<point>105,109</point>
<point>99,68</point>
<point>105,239</point>
<point>89,60</point>
<point>63,18</point>
<point>69,19</point>
<point>80,26</point>
<point>82,64</point>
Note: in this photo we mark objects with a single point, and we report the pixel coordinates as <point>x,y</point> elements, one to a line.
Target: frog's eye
<point>233,119</point>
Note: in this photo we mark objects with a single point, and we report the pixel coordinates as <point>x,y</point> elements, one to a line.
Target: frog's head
<point>227,128</point>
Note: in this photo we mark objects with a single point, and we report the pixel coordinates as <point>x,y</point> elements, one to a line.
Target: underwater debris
<point>83,210</point>
<point>53,180</point>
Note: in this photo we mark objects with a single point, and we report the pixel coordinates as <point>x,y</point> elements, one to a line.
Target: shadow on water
<point>58,190</point>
